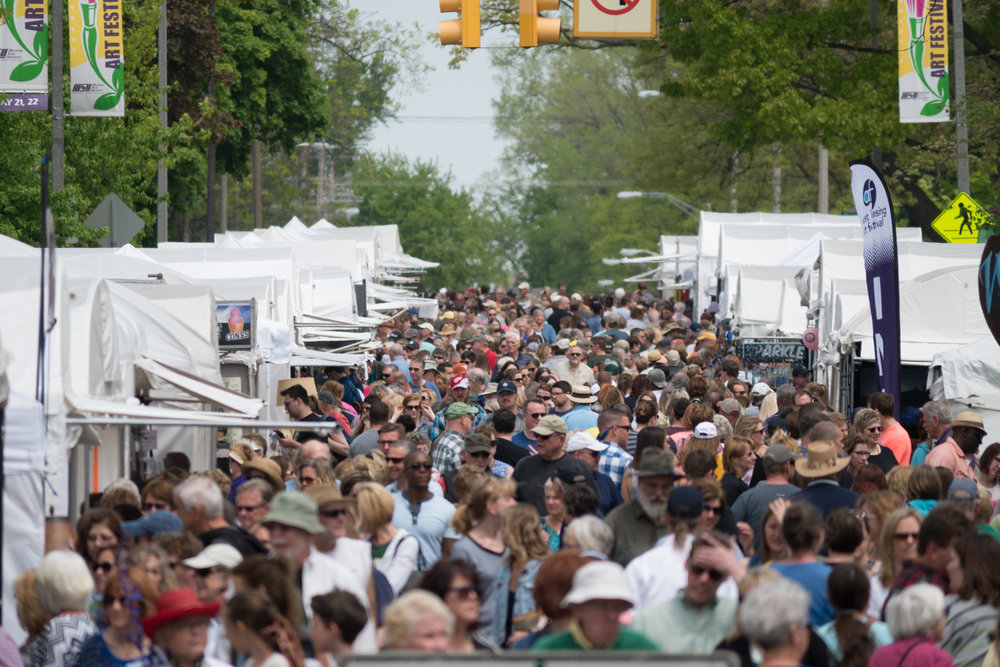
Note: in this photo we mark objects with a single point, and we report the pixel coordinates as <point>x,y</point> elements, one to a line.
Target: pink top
<point>949,455</point>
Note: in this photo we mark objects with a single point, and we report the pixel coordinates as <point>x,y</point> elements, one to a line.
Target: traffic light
<point>465,29</point>
<point>537,29</point>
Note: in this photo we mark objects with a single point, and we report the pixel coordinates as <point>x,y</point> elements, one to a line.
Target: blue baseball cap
<point>154,523</point>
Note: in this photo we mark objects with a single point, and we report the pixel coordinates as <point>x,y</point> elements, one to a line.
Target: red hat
<point>460,381</point>
<point>176,604</point>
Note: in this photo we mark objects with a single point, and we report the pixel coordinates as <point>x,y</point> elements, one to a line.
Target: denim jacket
<point>524,600</point>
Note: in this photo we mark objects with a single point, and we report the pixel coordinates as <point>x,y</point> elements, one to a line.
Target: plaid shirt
<point>614,462</point>
<point>438,427</point>
<point>913,573</point>
<point>446,452</point>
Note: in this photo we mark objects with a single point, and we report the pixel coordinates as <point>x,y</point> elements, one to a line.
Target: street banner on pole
<point>97,58</point>
<point>923,61</point>
<point>24,55</point>
<point>878,229</point>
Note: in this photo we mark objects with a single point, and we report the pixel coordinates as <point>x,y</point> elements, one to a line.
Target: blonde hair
<point>522,534</point>
<point>374,506</point>
<point>475,508</point>
<point>769,406</point>
<point>736,446</point>
<point>898,479</point>
<point>466,478</point>
<point>891,568</point>
<point>29,610</point>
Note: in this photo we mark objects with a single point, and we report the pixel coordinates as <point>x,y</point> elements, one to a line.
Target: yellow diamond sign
<point>960,221</point>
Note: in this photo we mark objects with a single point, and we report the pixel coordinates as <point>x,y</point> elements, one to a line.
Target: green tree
<point>436,222</point>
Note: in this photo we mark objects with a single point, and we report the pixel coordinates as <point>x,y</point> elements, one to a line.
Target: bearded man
<point>640,522</point>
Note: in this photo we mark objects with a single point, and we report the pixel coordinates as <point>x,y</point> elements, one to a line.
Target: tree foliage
<point>436,222</point>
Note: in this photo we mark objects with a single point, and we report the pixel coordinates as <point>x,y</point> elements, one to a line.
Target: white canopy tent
<point>968,377</point>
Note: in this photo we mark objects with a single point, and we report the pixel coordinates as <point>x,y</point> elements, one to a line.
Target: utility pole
<point>58,105</point>
<point>161,165</point>
<point>961,126</point>
<point>258,216</point>
<point>823,203</point>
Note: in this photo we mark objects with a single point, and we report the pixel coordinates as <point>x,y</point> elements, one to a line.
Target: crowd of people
<point>543,472</point>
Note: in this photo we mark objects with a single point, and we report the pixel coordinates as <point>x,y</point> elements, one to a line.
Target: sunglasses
<point>717,511</point>
<point>874,429</point>
<point>208,571</point>
<point>247,508</point>
<point>464,591</point>
<point>394,459</point>
<point>536,415</point>
<point>479,455</point>
<point>104,567</point>
<point>905,537</point>
<point>333,513</point>
<point>698,570</point>
<point>109,600</point>
<point>420,466</point>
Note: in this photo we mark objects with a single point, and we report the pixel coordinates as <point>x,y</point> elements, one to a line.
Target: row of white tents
<point>132,359</point>
<point>777,274</point>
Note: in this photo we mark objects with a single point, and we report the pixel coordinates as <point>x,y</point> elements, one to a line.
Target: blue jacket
<point>524,600</point>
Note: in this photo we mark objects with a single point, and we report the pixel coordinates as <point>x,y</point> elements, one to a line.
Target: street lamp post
<point>688,209</point>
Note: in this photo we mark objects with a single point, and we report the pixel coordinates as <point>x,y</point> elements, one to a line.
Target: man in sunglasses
<point>422,513</point>
<point>697,617</point>
<point>534,410</point>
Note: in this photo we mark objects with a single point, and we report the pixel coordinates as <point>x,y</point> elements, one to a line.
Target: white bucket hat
<point>600,580</point>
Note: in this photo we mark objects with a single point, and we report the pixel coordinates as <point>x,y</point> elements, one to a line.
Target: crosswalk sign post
<point>960,221</point>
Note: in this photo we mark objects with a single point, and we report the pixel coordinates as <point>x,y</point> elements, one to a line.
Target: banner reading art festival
<point>24,55</point>
<point>878,229</point>
<point>97,58</point>
<point>923,61</point>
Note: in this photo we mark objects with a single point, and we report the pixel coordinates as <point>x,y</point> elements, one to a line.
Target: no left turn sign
<point>631,19</point>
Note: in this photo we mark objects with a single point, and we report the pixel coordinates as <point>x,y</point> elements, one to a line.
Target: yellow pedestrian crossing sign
<point>960,221</point>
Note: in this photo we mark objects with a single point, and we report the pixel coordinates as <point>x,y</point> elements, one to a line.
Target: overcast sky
<point>450,120</point>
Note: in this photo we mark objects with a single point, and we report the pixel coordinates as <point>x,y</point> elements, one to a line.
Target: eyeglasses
<point>464,591</point>
<point>394,459</point>
<point>247,508</point>
<point>153,507</point>
<point>905,537</point>
<point>333,513</point>
<point>420,466</point>
<point>387,443</point>
<point>698,570</point>
<point>104,567</point>
<point>207,571</point>
<point>717,510</point>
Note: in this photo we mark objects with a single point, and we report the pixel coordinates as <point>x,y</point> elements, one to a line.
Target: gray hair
<point>407,611</point>
<point>915,611</point>
<point>396,350</point>
<point>200,492</point>
<point>406,443</point>
<point>785,395</point>
<point>592,534</point>
<point>772,610</point>
<point>126,484</point>
<point>722,425</point>
<point>265,488</point>
<point>680,380</point>
<point>477,375</point>
<point>63,582</point>
<point>937,409</point>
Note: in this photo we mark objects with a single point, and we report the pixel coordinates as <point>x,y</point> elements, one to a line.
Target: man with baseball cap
<point>458,392</point>
<point>293,521</point>
<point>957,453</point>
<point>532,471</point>
<point>779,466</point>
<point>581,445</point>
<point>447,448</point>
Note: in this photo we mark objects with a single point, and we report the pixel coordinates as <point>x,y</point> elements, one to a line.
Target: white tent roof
<point>938,311</point>
<point>969,370</point>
